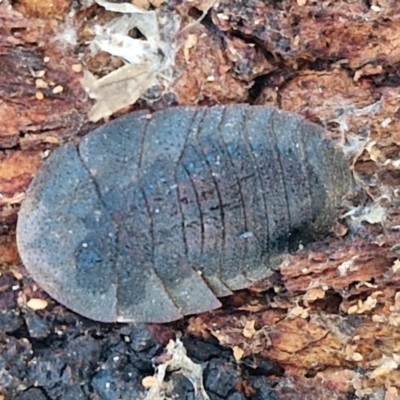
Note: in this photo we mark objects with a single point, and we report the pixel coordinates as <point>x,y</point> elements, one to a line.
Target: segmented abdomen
<point>203,201</point>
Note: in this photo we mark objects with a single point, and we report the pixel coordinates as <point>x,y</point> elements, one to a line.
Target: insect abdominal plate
<point>55,233</point>
<point>177,209</point>
<point>152,225</point>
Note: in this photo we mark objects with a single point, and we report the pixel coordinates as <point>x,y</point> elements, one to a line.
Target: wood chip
<point>396,266</point>
<point>58,89</point>
<point>314,294</point>
<point>237,353</point>
<point>149,381</point>
<point>249,330</point>
<point>76,68</point>
<point>40,74</point>
<point>37,304</point>
<point>141,3</point>
<point>41,84</point>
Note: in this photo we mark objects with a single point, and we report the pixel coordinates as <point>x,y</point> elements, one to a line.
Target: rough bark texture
<point>329,327</point>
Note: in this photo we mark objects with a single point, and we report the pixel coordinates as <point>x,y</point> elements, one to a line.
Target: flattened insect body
<point>147,220</point>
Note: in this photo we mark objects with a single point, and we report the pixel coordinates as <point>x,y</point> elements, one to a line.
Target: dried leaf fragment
<point>373,214</point>
<point>176,359</point>
<point>146,60</point>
